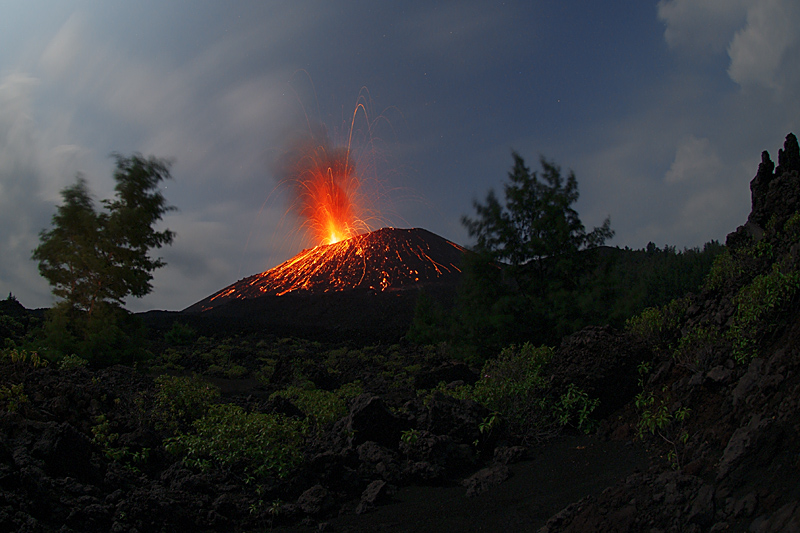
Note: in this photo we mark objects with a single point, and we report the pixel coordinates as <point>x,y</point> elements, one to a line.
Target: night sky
<point>661,109</point>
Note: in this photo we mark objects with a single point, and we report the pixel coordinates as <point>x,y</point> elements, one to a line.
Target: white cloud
<point>759,51</point>
<point>761,37</point>
<point>63,50</point>
<point>695,161</point>
<point>701,26</point>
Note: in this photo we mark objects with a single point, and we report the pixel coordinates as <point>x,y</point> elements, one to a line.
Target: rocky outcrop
<point>774,192</point>
<point>736,470</point>
<point>602,362</point>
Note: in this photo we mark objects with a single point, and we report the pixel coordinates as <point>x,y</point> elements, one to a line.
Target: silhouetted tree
<point>94,259</point>
<point>537,237</point>
<point>536,231</point>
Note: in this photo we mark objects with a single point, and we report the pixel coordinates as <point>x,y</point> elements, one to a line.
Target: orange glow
<point>327,188</point>
<point>386,259</point>
<point>325,175</point>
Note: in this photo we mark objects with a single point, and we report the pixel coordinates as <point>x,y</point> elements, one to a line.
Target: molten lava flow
<point>382,260</point>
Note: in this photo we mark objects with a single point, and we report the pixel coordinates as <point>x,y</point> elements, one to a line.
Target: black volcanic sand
<point>560,472</point>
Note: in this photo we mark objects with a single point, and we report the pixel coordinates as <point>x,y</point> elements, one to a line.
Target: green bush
<point>574,407</point>
<point>71,361</point>
<point>236,372</point>
<point>22,357</point>
<point>110,336</point>
<point>658,326</point>
<point>724,268</point>
<point>658,415</point>
<point>320,406</point>
<point>697,347</point>
<point>516,388</point>
<point>180,333</point>
<point>12,397</point>
<point>180,400</point>
<point>758,307</point>
<point>255,444</point>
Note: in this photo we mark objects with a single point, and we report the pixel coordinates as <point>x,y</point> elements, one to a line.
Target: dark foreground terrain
<point>685,420</point>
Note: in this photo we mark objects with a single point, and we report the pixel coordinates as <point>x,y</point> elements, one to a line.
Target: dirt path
<point>561,472</point>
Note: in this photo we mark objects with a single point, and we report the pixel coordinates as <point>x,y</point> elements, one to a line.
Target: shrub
<point>516,389</point>
<point>255,444</point>
<point>658,326</point>
<point>758,306</point>
<point>574,407</point>
<point>236,372</point>
<point>659,416</point>
<point>320,406</point>
<point>697,348</point>
<point>180,400</point>
<point>180,333</point>
<point>724,268</point>
<point>71,361</point>
<point>22,357</point>
<point>12,397</point>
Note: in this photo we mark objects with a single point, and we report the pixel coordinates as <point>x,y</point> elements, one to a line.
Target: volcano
<point>373,278</point>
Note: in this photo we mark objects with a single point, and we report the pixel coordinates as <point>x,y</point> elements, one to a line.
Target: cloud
<point>759,36</point>
<point>695,161</point>
<point>21,212</point>
<point>701,26</point>
<point>455,33</point>
<point>766,47</point>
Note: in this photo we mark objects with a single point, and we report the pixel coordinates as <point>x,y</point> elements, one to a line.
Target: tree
<point>539,239</point>
<point>93,257</point>
<point>537,228</point>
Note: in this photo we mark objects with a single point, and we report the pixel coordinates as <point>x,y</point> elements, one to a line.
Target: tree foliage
<point>536,274</point>
<point>536,230</point>
<point>539,247</point>
<point>92,256</point>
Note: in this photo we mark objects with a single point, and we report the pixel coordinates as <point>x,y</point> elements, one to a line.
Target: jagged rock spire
<point>789,157</point>
<point>775,191</point>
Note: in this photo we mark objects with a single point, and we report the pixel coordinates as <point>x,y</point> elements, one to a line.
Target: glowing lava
<point>383,260</point>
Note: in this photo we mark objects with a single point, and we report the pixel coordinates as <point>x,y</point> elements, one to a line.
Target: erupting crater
<point>383,260</point>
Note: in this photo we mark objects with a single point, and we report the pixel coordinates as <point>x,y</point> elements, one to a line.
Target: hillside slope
<point>719,390</point>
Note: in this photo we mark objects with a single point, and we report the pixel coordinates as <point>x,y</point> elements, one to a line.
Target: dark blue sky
<point>661,108</point>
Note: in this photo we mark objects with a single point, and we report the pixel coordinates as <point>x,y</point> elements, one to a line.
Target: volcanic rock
<point>485,479</point>
<point>736,465</point>
<point>383,260</point>
<point>371,420</point>
<point>375,492</point>
<point>365,287</point>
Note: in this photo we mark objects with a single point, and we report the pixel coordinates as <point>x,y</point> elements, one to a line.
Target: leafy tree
<point>537,231</point>
<point>94,259</point>
<point>539,240</point>
<point>91,256</point>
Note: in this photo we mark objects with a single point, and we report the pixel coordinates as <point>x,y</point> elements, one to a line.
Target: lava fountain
<point>325,186</point>
<point>326,180</point>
